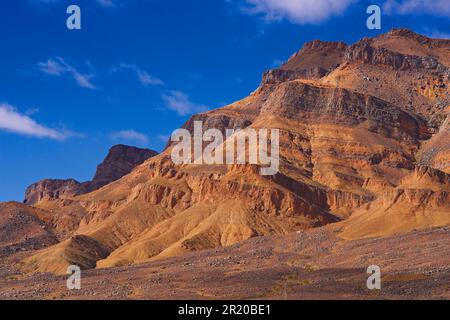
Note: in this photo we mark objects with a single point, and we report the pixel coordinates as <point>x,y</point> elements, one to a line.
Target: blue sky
<point>139,68</point>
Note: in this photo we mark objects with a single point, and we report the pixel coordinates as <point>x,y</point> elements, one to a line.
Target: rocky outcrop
<point>436,152</point>
<point>422,200</point>
<point>355,126</point>
<point>423,40</point>
<point>120,161</point>
<point>316,55</point>
<point>79,250</point>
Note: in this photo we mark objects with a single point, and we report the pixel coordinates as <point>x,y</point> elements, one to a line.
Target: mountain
<point>364,134</point>
<point>21,229</point>
<point>54,196</point>
<point>120,161</point>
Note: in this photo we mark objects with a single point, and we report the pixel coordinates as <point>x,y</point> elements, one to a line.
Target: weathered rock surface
<point>363,143</point>
<point>21,229</point>
<point>120,161</point>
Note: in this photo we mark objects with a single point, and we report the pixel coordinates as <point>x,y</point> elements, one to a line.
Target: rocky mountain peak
<point>320,45</point>
<point>120,161</point>
<point>363,142</point>
<point>405,33</point>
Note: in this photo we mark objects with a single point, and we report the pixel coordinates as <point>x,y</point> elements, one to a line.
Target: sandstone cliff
<point>120,161</point>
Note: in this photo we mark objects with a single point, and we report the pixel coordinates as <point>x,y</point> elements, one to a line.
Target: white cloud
<point>13,121</point>
<point>107,3</point>
<point>143,77</point>
<point>437,7</point>
<point>179,102</point>
<point>130,135</point>
<point>58,67</point>
<point>297,11</point>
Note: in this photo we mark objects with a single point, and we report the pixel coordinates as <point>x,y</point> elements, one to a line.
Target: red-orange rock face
<point>120,161</point>
<point>363,143</point>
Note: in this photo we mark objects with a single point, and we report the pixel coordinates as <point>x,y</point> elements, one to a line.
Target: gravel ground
<point>313,264</point>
